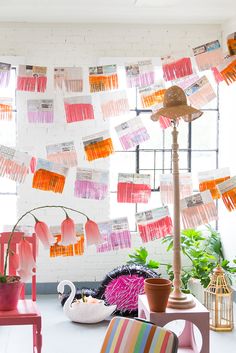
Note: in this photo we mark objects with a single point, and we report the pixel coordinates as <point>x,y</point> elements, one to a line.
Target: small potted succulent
<point>23,262</point>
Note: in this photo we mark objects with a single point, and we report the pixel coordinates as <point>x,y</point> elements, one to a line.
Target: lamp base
<point>184,302</point>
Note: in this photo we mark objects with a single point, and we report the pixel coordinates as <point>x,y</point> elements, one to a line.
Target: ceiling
<point>118,11</point>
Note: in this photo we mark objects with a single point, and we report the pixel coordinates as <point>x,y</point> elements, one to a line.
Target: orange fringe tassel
<point>153,99</point>
<point>5,112</point>
<point>103,83</point>
<point>69,250</point>
<point>48,181</point>
<point>212,186</point>
<point>231,43</point>
<point>101,149</point>
<point>229,199</point>
<point>229,73</point>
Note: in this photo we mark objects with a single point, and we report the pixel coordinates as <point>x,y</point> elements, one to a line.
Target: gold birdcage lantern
<point>219,301</point>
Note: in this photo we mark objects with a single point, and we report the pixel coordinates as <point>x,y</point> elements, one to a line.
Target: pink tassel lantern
<point>26,260</point>
<point>43,233</point>
<point>92,232</point>
<point>68,232</point>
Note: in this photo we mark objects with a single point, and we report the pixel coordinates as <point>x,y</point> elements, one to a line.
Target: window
<point>198,151</point>
<point>8,188</point>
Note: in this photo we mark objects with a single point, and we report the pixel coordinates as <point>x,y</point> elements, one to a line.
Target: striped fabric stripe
<point>131,336</point>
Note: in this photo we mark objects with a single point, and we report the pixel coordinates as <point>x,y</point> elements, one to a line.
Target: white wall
<point>85,45</point>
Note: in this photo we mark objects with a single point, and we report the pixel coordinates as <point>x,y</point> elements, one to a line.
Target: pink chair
<point>26,312</point>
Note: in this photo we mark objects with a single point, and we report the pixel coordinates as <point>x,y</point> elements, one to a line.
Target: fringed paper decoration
<point>208,55</point>
<point>115,235</point>
<point>26,260</point>
<point>98,145</point>
<point>164,122</point>
<point>231,43</point>
<point>68,250</point>
<point>69,78</point>
<point>175,69</point>
<point>103,78</point>
<point>5,72</point>
<point>198,209</point>
<point>114,104</point>
<point>227,70</point>
<point>133,188</point>
<point>217,75</point>
<point>152,96</point>
<point>209,180</point>
<point>40,111</point>
<point>200,93</point>
<point>187,81</point>
<point>91,183</point>
<point>78,108</point>
<point>32,78</point>
<point>227,190</point>
<point>49,176</point>
<point>132,133</point>
<point>154,224</point>
<point>62,153</point>
<point>140,74</point>
<point>14,164</point>
<point>167,187</point>
<point>6,109</point>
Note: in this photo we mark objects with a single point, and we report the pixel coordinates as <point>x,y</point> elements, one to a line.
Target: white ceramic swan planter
<point>82,312</point>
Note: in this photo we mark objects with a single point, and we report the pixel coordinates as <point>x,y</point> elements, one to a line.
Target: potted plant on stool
<point>23,261</point>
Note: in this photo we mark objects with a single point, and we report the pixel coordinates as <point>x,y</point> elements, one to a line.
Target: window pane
<point>204,131</point>
<point>7,185</point>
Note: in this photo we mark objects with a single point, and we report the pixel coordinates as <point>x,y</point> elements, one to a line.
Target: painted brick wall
<point>85,45</point>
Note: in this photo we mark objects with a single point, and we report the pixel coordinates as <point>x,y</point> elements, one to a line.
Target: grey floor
<point>62,336</point>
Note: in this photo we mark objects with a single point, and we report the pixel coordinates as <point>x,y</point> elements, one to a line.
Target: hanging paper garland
<point>231,43</point>
<point>114,104</point>
<point>98,145</point>
<point>68,250</point>
<point>227,190</point>
<point>132,133</point>
<point>49,176</point>
<point>164,122</point>
<point>78,108</point>
<point>154,224</point>
<point>227,70</point>
<point>115,235</point>
<point>152,96</point>
<point>14,164</point>
<point>167,187</point>
<point>209,180</point>
<point>103,78</point>
<point>200,93</point>
<point>62,153</point>
<point>5,71</point>
<point>133,188</point>
<point>175,69</point>
<point>208,55</point>
<point>70,78</point>
<point>91,183</point>
<point>32,78</point>
<point>6,109</point>
<point>40,110</point>
<point>140,74</point>
<point>198,209</point>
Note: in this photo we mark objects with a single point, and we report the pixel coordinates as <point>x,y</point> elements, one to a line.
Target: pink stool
<point>198,316</point>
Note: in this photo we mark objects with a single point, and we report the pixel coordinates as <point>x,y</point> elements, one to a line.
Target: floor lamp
<point>175,108</point>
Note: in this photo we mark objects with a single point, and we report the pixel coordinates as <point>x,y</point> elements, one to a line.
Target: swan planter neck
<point>89,312</point>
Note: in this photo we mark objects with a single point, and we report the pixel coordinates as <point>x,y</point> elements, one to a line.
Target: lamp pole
<point>177,299</point>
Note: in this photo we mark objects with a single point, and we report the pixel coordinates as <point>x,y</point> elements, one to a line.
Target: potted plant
<point>10,286</point>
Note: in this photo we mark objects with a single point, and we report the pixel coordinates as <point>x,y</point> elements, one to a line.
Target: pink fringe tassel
<point>78,112</point>
<point>67,158</point>
<point>115,108</point>
<point>115,241</point>
<point>193,217</point>
<point>86,189</point>
<point>40,117</point>
<point>164,122</point>
<point>155,230</point>
<point>4,79</point>
<point>134,138</point>
<point>31,84</point>
<point>133,193</point>
<point>13,170</point>
<point>177,69</point>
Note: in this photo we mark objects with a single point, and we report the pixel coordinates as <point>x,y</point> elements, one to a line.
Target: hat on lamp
<point>175,106</point>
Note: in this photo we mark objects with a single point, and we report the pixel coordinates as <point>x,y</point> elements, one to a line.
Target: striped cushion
<point>131,336</point>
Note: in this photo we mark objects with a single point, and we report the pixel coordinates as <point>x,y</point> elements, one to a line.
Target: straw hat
<point>175,106</point>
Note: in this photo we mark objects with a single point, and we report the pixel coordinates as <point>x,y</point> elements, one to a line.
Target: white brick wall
<point>65,45</point>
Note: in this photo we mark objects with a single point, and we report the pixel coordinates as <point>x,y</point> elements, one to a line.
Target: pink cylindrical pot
<point>157,291</point>
<point>9,295</point>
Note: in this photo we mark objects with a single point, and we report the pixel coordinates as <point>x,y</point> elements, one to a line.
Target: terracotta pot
<point>157,291</point>
<point>9,294</point>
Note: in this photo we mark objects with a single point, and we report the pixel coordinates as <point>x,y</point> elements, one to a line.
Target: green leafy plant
<point>204,254</point>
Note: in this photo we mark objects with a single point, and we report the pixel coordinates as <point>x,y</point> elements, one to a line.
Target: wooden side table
<point>198,315</point>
